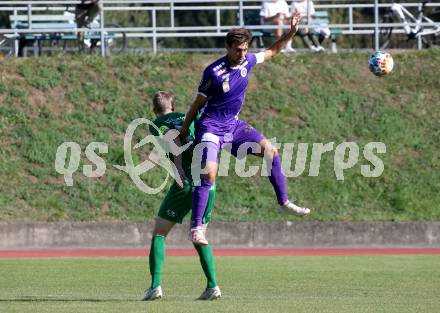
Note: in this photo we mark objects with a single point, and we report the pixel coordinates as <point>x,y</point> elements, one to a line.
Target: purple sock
<point>200,200</point>
<point>278,180</point>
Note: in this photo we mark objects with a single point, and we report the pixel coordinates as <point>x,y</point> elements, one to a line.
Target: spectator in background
<point>276,12</point>
<point>308,36</point>
<point>85,13</point>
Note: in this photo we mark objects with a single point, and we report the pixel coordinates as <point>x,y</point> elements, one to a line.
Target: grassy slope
<point>266,284</point>
<point>303,98</point>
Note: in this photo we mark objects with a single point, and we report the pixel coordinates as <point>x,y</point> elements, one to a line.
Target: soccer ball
<point>381,63</point>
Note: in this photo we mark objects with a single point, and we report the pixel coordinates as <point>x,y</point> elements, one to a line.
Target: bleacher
<point>156,21</point>
<point>47,27</point>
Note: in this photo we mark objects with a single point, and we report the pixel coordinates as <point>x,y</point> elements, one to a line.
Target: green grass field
<point>249,284</point>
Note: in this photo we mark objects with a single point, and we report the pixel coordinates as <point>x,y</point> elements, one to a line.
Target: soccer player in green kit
<point>177,204</point>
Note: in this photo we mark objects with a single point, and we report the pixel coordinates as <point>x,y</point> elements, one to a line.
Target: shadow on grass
<point>36,299</point>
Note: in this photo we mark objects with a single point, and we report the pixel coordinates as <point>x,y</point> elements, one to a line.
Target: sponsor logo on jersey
<point>225,85</point>
<point>225,82</point>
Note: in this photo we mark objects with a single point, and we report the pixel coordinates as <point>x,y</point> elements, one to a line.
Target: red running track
<point>218,252</point>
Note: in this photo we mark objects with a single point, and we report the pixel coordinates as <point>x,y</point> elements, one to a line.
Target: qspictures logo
<point>345,156</point>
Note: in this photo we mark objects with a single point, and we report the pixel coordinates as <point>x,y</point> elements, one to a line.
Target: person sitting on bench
<point>85,13</point>
<point>308,36</point>
<point>276,12</point>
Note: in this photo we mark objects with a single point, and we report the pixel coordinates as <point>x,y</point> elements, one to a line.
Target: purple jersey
<point>224,87</point>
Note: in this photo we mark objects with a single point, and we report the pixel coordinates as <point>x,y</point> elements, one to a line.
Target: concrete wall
<point>243,234</point>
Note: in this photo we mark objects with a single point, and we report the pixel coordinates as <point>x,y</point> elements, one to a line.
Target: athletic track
<point>218,252</point>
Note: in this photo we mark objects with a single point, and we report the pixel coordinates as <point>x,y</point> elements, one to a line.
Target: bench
<point>64,23</point>
<point>319,19</point>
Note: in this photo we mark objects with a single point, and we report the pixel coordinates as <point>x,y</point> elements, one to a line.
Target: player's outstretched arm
<point>278,45</point>
<point>191,116</point>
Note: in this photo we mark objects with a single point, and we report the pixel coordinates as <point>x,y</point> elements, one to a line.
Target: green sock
<point>208,265</point>
<point>156,258</point>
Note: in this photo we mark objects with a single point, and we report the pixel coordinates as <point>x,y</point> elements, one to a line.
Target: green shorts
<point>178,202</point>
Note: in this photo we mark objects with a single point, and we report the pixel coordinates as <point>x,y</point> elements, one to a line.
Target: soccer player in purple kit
<point>220,96</point>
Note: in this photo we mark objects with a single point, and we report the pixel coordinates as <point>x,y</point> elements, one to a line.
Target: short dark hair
<point>162,101</point>
<point>239,35</point>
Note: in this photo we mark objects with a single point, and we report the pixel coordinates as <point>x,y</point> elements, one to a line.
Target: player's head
<point>163,102</point>
<point>237,44</point>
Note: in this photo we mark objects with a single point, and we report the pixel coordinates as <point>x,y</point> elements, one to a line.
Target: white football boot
<point>292,209</point>
<point>211,294</point>
<point>153,294</point>
<point>198,236</point>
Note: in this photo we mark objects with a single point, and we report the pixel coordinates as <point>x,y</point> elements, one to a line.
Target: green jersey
<point>178,201</point>
<point>174,120</point>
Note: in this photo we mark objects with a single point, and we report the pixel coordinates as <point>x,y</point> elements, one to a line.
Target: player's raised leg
<point>278,180</point>
<point>246,134</point>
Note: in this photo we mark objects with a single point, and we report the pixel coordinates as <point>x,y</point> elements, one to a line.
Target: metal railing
<point>152,9</point>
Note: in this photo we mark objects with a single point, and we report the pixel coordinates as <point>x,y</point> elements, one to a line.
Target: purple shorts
<point>242,141</point>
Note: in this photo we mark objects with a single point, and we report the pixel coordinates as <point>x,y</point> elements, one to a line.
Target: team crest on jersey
<point>243,72</point>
